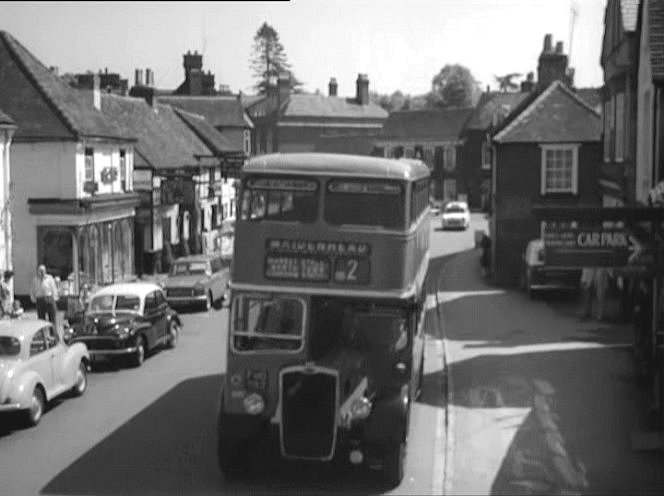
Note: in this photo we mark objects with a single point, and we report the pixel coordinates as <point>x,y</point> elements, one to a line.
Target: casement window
<point>89,164</point>
<point>123,170</point>
<point>486,155</point>
<point>559,169</point>
<point>620,127</point>
<point>608,129</point>
<point>247,142</point>
<point>449,159</point>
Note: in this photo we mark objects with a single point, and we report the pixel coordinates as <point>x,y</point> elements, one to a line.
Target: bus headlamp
<point>253,404</point>
<point>360,408</point>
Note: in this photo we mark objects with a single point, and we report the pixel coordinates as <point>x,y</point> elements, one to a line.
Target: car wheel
<point>394,459</point>
<point>173,334</point>
<point>139,354</point>
<point>37,406</point>
<point>81,383</point>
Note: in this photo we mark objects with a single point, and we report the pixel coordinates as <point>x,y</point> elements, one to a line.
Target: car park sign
<point>594,247</point>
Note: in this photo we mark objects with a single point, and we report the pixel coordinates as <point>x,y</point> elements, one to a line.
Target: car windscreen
<point>267,323</point>
<point>280,199</point>
<point>365,202</point>
<point>454,210</point>
<point>9,346</point>
<point>188,268</point>
<point>112,303</point>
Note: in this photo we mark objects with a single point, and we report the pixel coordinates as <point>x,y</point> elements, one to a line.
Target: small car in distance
<point>127,320</point>
<point>537,276</point>
<point>36,365</point>
<point>456,216</point>
<point>198,280</point>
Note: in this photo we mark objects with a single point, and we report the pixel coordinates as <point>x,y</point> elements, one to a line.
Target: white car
<point>456,216</point>
<point>36,366</point>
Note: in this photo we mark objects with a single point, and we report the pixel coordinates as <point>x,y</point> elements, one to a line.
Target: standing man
<point>44,293</point>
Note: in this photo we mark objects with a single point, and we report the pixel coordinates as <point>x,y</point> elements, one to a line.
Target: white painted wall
<point>105,156</point>
<point>644,115</point>
<point>6,221</point>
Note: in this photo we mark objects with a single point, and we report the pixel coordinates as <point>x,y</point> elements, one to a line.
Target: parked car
<point>537,276</point>
<point>198,280</point>
<point>456,216</point>
<point>36,365</point>
<point>127,320</point>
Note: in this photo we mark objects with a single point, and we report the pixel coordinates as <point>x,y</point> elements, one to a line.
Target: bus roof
<point>337,164</point>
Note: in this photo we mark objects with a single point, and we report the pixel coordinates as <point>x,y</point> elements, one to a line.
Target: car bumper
<point>11,407</point>
<point>120,351</point>
<point>545,286</point>
<point>184,300</point>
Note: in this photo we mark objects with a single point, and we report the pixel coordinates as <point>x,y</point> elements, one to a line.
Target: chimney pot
<point>548,43</point>
<point>138,77</point>
<point>559,48</point>
<point>332,87</point>
<point>362,89</point>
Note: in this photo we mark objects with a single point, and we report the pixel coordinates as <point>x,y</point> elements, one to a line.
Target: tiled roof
<point>557,115</point>
<point>217,142</point>
<point>220,111</point>
<point>591,96</point>
<point>43,105</point>
<point>330,107</point>
<point>346,144</point>
<point>656,38</point>
<point>249,100</point>
<point>5,119</point>
<point>438,125</point>
<point>501,102</point>
<point>629,10</point>
<point>164,141</point>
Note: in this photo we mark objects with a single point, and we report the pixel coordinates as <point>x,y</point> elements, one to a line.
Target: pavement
<point>539,402</point>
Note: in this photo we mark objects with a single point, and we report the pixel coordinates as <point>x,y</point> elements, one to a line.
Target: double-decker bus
<point>326,342</point>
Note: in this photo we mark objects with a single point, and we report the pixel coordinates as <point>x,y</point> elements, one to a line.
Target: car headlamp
<point>253,404</point>
<point>360,408</point>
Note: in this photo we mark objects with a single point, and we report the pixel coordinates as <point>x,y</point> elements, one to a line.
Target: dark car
<point>537,276</point>
<point>127,320</point>
<point>198,280</point>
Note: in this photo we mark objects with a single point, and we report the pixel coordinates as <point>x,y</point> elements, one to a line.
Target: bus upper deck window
<point>283,200</point>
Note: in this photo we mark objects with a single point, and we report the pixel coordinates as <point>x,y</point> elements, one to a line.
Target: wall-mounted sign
<point>142,180</point>
<point>656,195</point>
<point>598,247</point>
<point>318,261</point>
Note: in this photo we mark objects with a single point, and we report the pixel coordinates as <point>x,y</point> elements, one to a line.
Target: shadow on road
<point>169,448</point>
<point>575,436</point>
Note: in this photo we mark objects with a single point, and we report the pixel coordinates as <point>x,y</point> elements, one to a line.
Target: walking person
<point>587,283</point>
<point>6,303</point>
<point>44,293</point>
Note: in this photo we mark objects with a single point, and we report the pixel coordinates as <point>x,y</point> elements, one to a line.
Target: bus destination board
<point>318,261</point>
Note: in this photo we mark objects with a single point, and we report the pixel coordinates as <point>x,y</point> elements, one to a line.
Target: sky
<point>400,45</point>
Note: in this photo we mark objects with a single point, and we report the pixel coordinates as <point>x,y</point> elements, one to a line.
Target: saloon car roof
<point>332,164</point>
<point>21,327</point>
<point>137,288</point>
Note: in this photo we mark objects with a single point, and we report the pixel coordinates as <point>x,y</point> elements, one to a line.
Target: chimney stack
<point>283,85</point>
<point>138,77</point>
<point>149,78</point>
<point>332,87</point>
<point>552,65</point>
<point>96,92</point>
<point>529,84</point>
<point>362,89</point>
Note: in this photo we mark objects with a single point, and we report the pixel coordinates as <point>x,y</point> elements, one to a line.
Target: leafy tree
<point>453,86</point>
<point>505,82</point>
<point>269,59</point>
